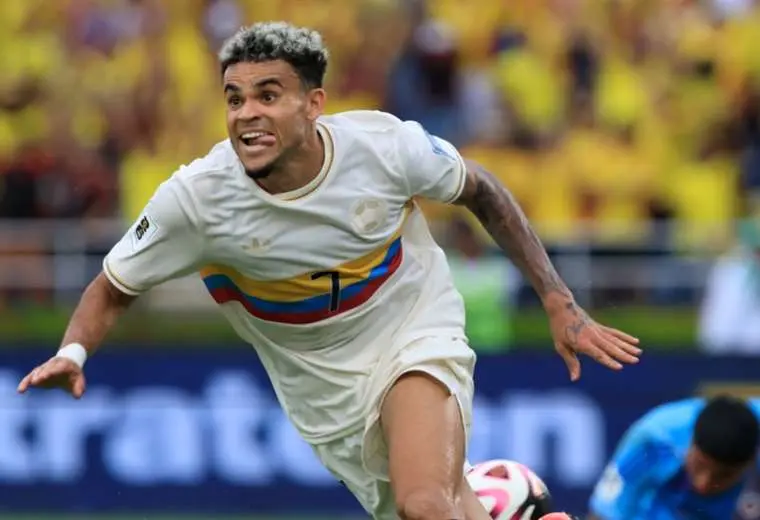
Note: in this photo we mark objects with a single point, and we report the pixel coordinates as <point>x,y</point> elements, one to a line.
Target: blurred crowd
<point>601,115</point>
<point>606,118</point>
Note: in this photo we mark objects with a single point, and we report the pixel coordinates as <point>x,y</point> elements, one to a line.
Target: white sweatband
<point>75,352</point>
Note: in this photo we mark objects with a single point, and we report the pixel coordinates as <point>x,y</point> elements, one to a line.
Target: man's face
<point>709,476</point>
<point>268,113</point>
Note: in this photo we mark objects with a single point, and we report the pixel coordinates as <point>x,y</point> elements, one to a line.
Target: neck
<point>299,169</point>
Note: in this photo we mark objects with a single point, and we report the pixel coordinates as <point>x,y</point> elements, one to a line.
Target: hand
<point>56,372</point>
<point>574,333</point>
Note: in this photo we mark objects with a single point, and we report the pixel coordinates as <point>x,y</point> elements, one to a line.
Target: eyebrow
<point>229,87</point>
<point>268,81</point>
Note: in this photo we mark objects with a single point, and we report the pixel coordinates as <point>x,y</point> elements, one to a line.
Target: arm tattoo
<point>501,215</point>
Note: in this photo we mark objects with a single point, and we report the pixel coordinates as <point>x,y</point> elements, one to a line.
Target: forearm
<point>501,215</point>
<point>95,315</point>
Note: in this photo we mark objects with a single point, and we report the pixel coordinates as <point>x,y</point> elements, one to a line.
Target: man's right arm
<point>101,304</point>
<point>164,243</point>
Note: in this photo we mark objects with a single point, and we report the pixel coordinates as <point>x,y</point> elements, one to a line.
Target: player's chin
<point>258,165</point>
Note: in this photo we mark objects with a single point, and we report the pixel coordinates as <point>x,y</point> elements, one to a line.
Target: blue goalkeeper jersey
<point>646,480</point>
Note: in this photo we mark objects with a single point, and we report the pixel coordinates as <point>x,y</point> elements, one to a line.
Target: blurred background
<point>629,130</point>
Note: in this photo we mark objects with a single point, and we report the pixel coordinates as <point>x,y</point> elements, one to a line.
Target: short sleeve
<point>162,244</point>
<point>433,168</point>
<point>620,490</point>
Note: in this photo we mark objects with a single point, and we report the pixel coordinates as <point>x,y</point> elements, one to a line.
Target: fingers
<point>23,386</point>
<point>602,357</point>
<point>571,361</point>
<point>608,347</point>
<point>40,374</point>
<point>629,340</point>
<point>621,350</point>
<point>612,349</point>
<point>619,345</point>
<point>77,389</point>
<point>32,379</point>
<point>574,368</point>
<point>43,374</point>
<point>56,372</point>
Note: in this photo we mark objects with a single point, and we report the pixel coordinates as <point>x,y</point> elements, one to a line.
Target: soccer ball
<point>509,491</point>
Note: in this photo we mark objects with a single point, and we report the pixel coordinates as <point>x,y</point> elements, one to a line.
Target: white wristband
<point>75,352</point>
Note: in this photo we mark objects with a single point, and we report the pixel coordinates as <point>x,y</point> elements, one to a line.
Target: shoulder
<point>662,433</point>
<point>379,131</point>
<point>221,159</point>
<point>403,149</point>
<point>200,183</point>
<point>208,176</point>
<point>369,143</point>
<point>667,428</point>
<point>674,414</point>
<point>364,121</point>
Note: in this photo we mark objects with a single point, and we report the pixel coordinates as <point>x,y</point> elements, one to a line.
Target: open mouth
<point>257,138</point>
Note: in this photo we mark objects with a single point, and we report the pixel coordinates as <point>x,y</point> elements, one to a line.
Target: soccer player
<point>688,459</point>
<point>305,231</point>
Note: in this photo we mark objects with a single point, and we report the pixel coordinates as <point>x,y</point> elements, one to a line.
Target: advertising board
<point>200,431</point>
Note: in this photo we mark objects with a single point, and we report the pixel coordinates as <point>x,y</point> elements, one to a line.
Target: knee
<point>429,503</point>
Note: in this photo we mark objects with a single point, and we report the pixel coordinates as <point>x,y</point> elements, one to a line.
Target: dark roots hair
<point>302,48</point>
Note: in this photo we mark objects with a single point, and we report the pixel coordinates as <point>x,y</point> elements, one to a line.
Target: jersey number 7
<point>334,287</point>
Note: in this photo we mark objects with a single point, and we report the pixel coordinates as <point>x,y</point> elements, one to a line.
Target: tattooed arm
<point>573,331</point>
<point>434,169</point>
<point>501,215</point>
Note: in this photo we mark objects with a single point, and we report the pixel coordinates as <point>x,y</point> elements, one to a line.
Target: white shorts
<point>360,459</point>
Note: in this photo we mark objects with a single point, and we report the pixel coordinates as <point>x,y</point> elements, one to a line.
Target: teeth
<point>253,135</point>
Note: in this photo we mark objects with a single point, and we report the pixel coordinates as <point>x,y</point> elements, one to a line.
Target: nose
<point>248,111</point>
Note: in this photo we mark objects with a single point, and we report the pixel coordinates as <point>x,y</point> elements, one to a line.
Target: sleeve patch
<point>144,230</point>
<point>611,484</point>
<point>438,148</point>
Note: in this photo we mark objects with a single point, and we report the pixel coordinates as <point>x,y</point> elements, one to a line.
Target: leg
<point>424,432</point>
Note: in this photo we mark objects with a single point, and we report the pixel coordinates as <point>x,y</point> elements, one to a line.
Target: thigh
<point>424,426</point>
<point>424,422</point>
<point>443,367</point>
<point>423,429</point>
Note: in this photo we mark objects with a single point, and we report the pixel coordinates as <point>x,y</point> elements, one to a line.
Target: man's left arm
<point>500,214</point>
<point>573,331</point>
<point>433,168</point>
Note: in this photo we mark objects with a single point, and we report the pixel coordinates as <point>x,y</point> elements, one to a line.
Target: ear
<point>315,103</point>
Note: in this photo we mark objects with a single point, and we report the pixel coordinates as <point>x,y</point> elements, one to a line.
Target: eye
<point>269,97</point>
<point>234,101</point>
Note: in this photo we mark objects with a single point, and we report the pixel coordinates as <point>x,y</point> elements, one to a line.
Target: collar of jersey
<point>317,181</point>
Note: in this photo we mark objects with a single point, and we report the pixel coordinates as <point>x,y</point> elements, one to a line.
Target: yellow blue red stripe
<point>311,297</point>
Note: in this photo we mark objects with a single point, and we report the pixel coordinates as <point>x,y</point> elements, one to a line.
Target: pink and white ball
<point>509,490</point>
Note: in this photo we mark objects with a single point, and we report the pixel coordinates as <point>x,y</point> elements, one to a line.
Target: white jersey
<point>324,281</point>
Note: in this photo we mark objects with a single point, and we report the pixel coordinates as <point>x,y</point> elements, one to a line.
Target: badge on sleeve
<point>143,231</point>
<point>611,484</point>
<point>438,146</point>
